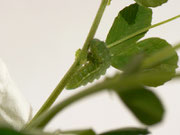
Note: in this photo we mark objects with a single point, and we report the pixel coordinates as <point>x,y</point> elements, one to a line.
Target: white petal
<point>14,109</point>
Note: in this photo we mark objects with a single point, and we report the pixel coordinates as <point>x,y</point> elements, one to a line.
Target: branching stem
<point>54,95</point>
<point>42,121</point>
<point>46,117</point>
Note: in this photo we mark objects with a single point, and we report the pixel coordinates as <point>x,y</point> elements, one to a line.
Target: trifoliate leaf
<point>127,131</point>
<point>151,3</point>
<point>143,103</point>
<point>14,109</point>
<point>130,20</point>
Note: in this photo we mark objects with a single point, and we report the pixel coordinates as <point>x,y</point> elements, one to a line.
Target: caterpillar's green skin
<point>96,65</point>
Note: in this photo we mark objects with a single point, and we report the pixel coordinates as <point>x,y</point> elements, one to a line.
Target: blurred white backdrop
<point>38,39</point>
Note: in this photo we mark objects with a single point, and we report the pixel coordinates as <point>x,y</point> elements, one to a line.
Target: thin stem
<point>177,75</point>
<point>42,120</point>
<point>141,31</point>
<point>54,95</point>
<point>56,92</point>
<point>177,46</point>
<point>47,116</point>
<point>118,79</point>
<point>109,2</point>
<point>95,24</point>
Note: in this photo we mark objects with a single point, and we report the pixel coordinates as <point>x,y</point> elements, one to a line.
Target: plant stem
<point>141,31</point>
<point>177,76</point>
<point>177,46</point>
<point>95,24</point>
<point>106,84</point>
<point>51,99</point>
<point>56,92</point>
<point>42,120</point>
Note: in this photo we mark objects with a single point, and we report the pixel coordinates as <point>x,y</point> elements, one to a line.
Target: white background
<point>38,39</point>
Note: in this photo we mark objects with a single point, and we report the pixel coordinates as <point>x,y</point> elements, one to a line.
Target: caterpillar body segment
<point>97,63</point>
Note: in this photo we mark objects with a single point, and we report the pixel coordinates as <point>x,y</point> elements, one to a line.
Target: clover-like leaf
<point>143,103</point>
<point>127,131</point>
<point>151,3</point>
<point>14,109</point>
<point>157,67</point>
<point>130,20</point>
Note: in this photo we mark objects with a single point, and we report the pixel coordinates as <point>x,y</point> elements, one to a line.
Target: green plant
<point>150,62</point>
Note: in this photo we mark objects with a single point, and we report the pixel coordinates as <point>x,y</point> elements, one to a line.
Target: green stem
<point>95,24</point>
<point>109,2</point>
<point>46,117</point>
<point>54,95</point>
<point>177,76</point>
<point>141,31</point>
<point>42,120</point>
<point>118,79</point>
<point>56,92</point>
<point>177,46</point>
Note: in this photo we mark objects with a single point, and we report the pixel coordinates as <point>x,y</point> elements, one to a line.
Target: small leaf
<point>77,132</point>
<point>127,131</point>
<point>6,131</point>
<point>143,103</point>
<point>153,65</point>
<point>10,131</point>
<point>130,20</point>
<point>151,3</point>
<point>161,65</point>
<point>134,65</point>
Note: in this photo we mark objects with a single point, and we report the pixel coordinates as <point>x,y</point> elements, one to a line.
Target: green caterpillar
<point>98,60</point>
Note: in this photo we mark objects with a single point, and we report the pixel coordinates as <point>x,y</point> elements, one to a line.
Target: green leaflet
<point>165,66</point>
<point>127,131</point>
<point>10,131</point>
<point>151,3</point>
<point>158,66</point>
<point>6,131</point>
<point>96,65</point>
<point>143,103</point>
<point>122,131</point>
<point>77,132</point>
<point>130,20</point>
